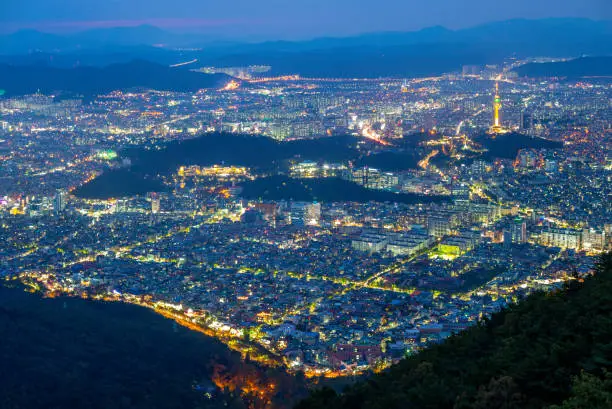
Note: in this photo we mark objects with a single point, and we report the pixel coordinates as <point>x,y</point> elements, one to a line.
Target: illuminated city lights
<point>455,222</point>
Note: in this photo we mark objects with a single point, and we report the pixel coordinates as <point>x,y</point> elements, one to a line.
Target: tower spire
<point>496,106</point>
<point>496,127</point>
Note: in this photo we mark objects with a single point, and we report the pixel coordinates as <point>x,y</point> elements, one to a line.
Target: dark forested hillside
<point>326,190</point>
<point>508,145</point>
<point>258,152</point>
<point>119,183</point>
<point>390,161</point>
<point>73,353</point>
<point>236,149</point>
<point>550,349</point>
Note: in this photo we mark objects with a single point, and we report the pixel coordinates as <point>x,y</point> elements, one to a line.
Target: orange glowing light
<point>231,86</point>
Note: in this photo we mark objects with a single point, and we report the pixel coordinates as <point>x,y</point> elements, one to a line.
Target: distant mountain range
<point>554,30</point>
<point>33,40</point>
<point>89,81</point>
<point>577,68</point>
<point>428,51</point>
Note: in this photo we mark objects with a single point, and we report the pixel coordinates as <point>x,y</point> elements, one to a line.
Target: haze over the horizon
<point>281,19</point>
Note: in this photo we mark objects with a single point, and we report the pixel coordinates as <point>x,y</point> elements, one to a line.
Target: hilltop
<point>244,150</point>
<point>548,349</point>
<point>508,145</point>
<point>119,183</point>
<point>260,153</point>
<point>257,152</point>
<point>273,157</point>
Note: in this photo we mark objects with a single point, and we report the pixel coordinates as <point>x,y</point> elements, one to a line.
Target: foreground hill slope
<point>526,357</point>
<point>73,353</point>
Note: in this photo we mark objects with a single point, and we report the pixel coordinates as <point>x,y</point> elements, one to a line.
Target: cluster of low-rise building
<point>326,287</point>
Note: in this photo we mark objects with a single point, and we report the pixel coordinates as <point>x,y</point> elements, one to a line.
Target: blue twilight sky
<point>284,19</point>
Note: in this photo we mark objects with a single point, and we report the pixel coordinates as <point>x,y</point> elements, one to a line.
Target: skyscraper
<point>519,231</point>
<point>155,203</point>
<point>313,215</point>
<point>59,202</point>
<point>121,206</point>
<point>526,121</point>
<point>460,191</point>
<point>304,213</point>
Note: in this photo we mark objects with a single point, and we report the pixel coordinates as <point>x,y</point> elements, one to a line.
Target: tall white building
<point>155,203</point>
<point>370,242</point>
<point>305,213</point>
<point>438,226</point>
<point>518,231</point>
<point>121,206</point>
<point>593,240</point>
<point>564,238</point>
<point>59,202</point>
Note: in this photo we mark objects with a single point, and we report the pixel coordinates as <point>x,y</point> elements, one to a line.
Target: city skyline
<point>200,207</point>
